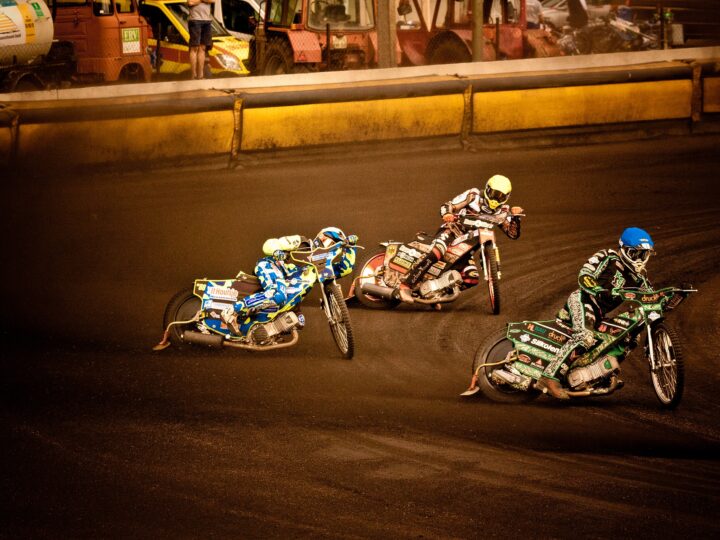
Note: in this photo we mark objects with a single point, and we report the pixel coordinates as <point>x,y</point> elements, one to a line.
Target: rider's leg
<point>582,321</point>
<point>273,295</point>
<point>423,264</point>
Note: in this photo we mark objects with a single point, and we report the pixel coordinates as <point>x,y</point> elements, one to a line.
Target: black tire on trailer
<point>669,378</point>
<point>340,325</point>
<point>494,349</point>
<point>182,307</point>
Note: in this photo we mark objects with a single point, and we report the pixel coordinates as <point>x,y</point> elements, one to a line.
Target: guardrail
<point>189,120</point>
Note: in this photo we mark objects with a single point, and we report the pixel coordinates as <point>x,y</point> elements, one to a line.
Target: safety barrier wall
<point>711,95</point>
<point>207,123</point>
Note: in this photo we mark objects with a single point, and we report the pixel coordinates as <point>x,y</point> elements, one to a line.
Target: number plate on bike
<point>477,223</point>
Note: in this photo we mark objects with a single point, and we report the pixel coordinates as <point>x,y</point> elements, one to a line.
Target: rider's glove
<point>516,211</point>
<point>448,218</point>
<point>352,239</point>
<point>279,255</point>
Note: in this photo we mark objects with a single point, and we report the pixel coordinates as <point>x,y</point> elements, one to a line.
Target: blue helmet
<point>636,246</point>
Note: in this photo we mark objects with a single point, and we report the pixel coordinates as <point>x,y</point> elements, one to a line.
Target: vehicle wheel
<point>278,57</point>
<point>449,51</point>
<point>371,272</point>
<point>493,279</point>
<point>305,68</point>
<point>131,73</point>
<point>28,83</point>
<point>494,349</point>
<point>340,324</point>
<point>182,307</point>
<point>669,377</point>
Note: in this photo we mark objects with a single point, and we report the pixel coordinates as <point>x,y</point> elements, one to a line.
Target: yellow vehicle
<point>170,52</point>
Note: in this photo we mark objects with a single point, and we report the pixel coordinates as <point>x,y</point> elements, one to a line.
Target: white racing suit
<point>470,201</point>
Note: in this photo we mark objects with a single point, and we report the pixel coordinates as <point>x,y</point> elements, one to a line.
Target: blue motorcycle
<point>193,315</point>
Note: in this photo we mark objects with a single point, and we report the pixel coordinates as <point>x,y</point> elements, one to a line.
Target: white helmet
<point>329,236</point>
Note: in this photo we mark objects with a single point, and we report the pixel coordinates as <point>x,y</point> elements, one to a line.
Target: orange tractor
<point>300,36</point>
<point>440,32</point>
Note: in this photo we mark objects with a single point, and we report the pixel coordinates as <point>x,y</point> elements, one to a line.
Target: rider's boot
<point>552,387</point>
<point>230,317</point>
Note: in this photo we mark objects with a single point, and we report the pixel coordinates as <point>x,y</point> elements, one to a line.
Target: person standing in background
<point>533,10</point>
<point>200,29</point>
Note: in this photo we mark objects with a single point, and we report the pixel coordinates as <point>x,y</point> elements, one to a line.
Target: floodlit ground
<point>104,438</point>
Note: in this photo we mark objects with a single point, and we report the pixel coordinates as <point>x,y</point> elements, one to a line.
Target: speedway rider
<point>491,202</point>
<point>280,279</point>
<point>599,279</point>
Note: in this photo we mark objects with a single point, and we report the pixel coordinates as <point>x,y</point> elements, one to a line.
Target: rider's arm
<point>346,263</point>
<point>590,274</point>
<point>511,225</point>
<point>459,202</point>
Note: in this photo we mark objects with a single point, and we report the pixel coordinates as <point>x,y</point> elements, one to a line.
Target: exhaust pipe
<point>377,290</point>
<point>209,340</point>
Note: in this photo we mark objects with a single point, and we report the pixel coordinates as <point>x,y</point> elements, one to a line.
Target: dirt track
<point>104,438</point>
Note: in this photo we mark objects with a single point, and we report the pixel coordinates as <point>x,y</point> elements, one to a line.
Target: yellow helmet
<point>497,191</point>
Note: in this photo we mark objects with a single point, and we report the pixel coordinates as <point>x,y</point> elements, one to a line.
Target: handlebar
<point>645,296</point>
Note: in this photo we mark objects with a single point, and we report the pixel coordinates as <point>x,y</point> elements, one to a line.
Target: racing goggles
<point>637,255</point>
<point>495,197</point>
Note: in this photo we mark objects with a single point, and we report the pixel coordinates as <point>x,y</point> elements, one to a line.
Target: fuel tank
<point>26,31</point>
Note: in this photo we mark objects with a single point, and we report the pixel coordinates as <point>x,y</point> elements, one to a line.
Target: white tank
<point>26,31</point>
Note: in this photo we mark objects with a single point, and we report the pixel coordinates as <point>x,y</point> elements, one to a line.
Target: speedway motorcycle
<point>193,315</point>
<point>377,285</point>
<point>508,365</point>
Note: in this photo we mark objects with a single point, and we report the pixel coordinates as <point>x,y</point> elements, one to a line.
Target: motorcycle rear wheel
<point>494,349</point>
<point>182,307</point>
<point>669,378</point>
<point>369,273</point>
<point>340,326</point>
<point>493,279</point>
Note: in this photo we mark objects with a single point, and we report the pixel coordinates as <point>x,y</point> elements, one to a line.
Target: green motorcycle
<point>508,365</point>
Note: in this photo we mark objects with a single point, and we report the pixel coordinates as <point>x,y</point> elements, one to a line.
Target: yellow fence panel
<point>133,139</point>
<point>5,146</point>
<point>581,105</point>
<point>331,123</point>
<point>711,95</point>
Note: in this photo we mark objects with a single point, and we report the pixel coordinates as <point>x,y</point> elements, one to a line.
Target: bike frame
<point>320,260</point>
<point>650,310</point>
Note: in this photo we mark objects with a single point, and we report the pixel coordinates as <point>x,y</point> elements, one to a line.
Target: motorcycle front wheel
<point>181,307</point>
<point>493,281</point>
<point>371,273</point>
<point>668,378</point>
<point>340,326</point>
<point>493,350</point>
